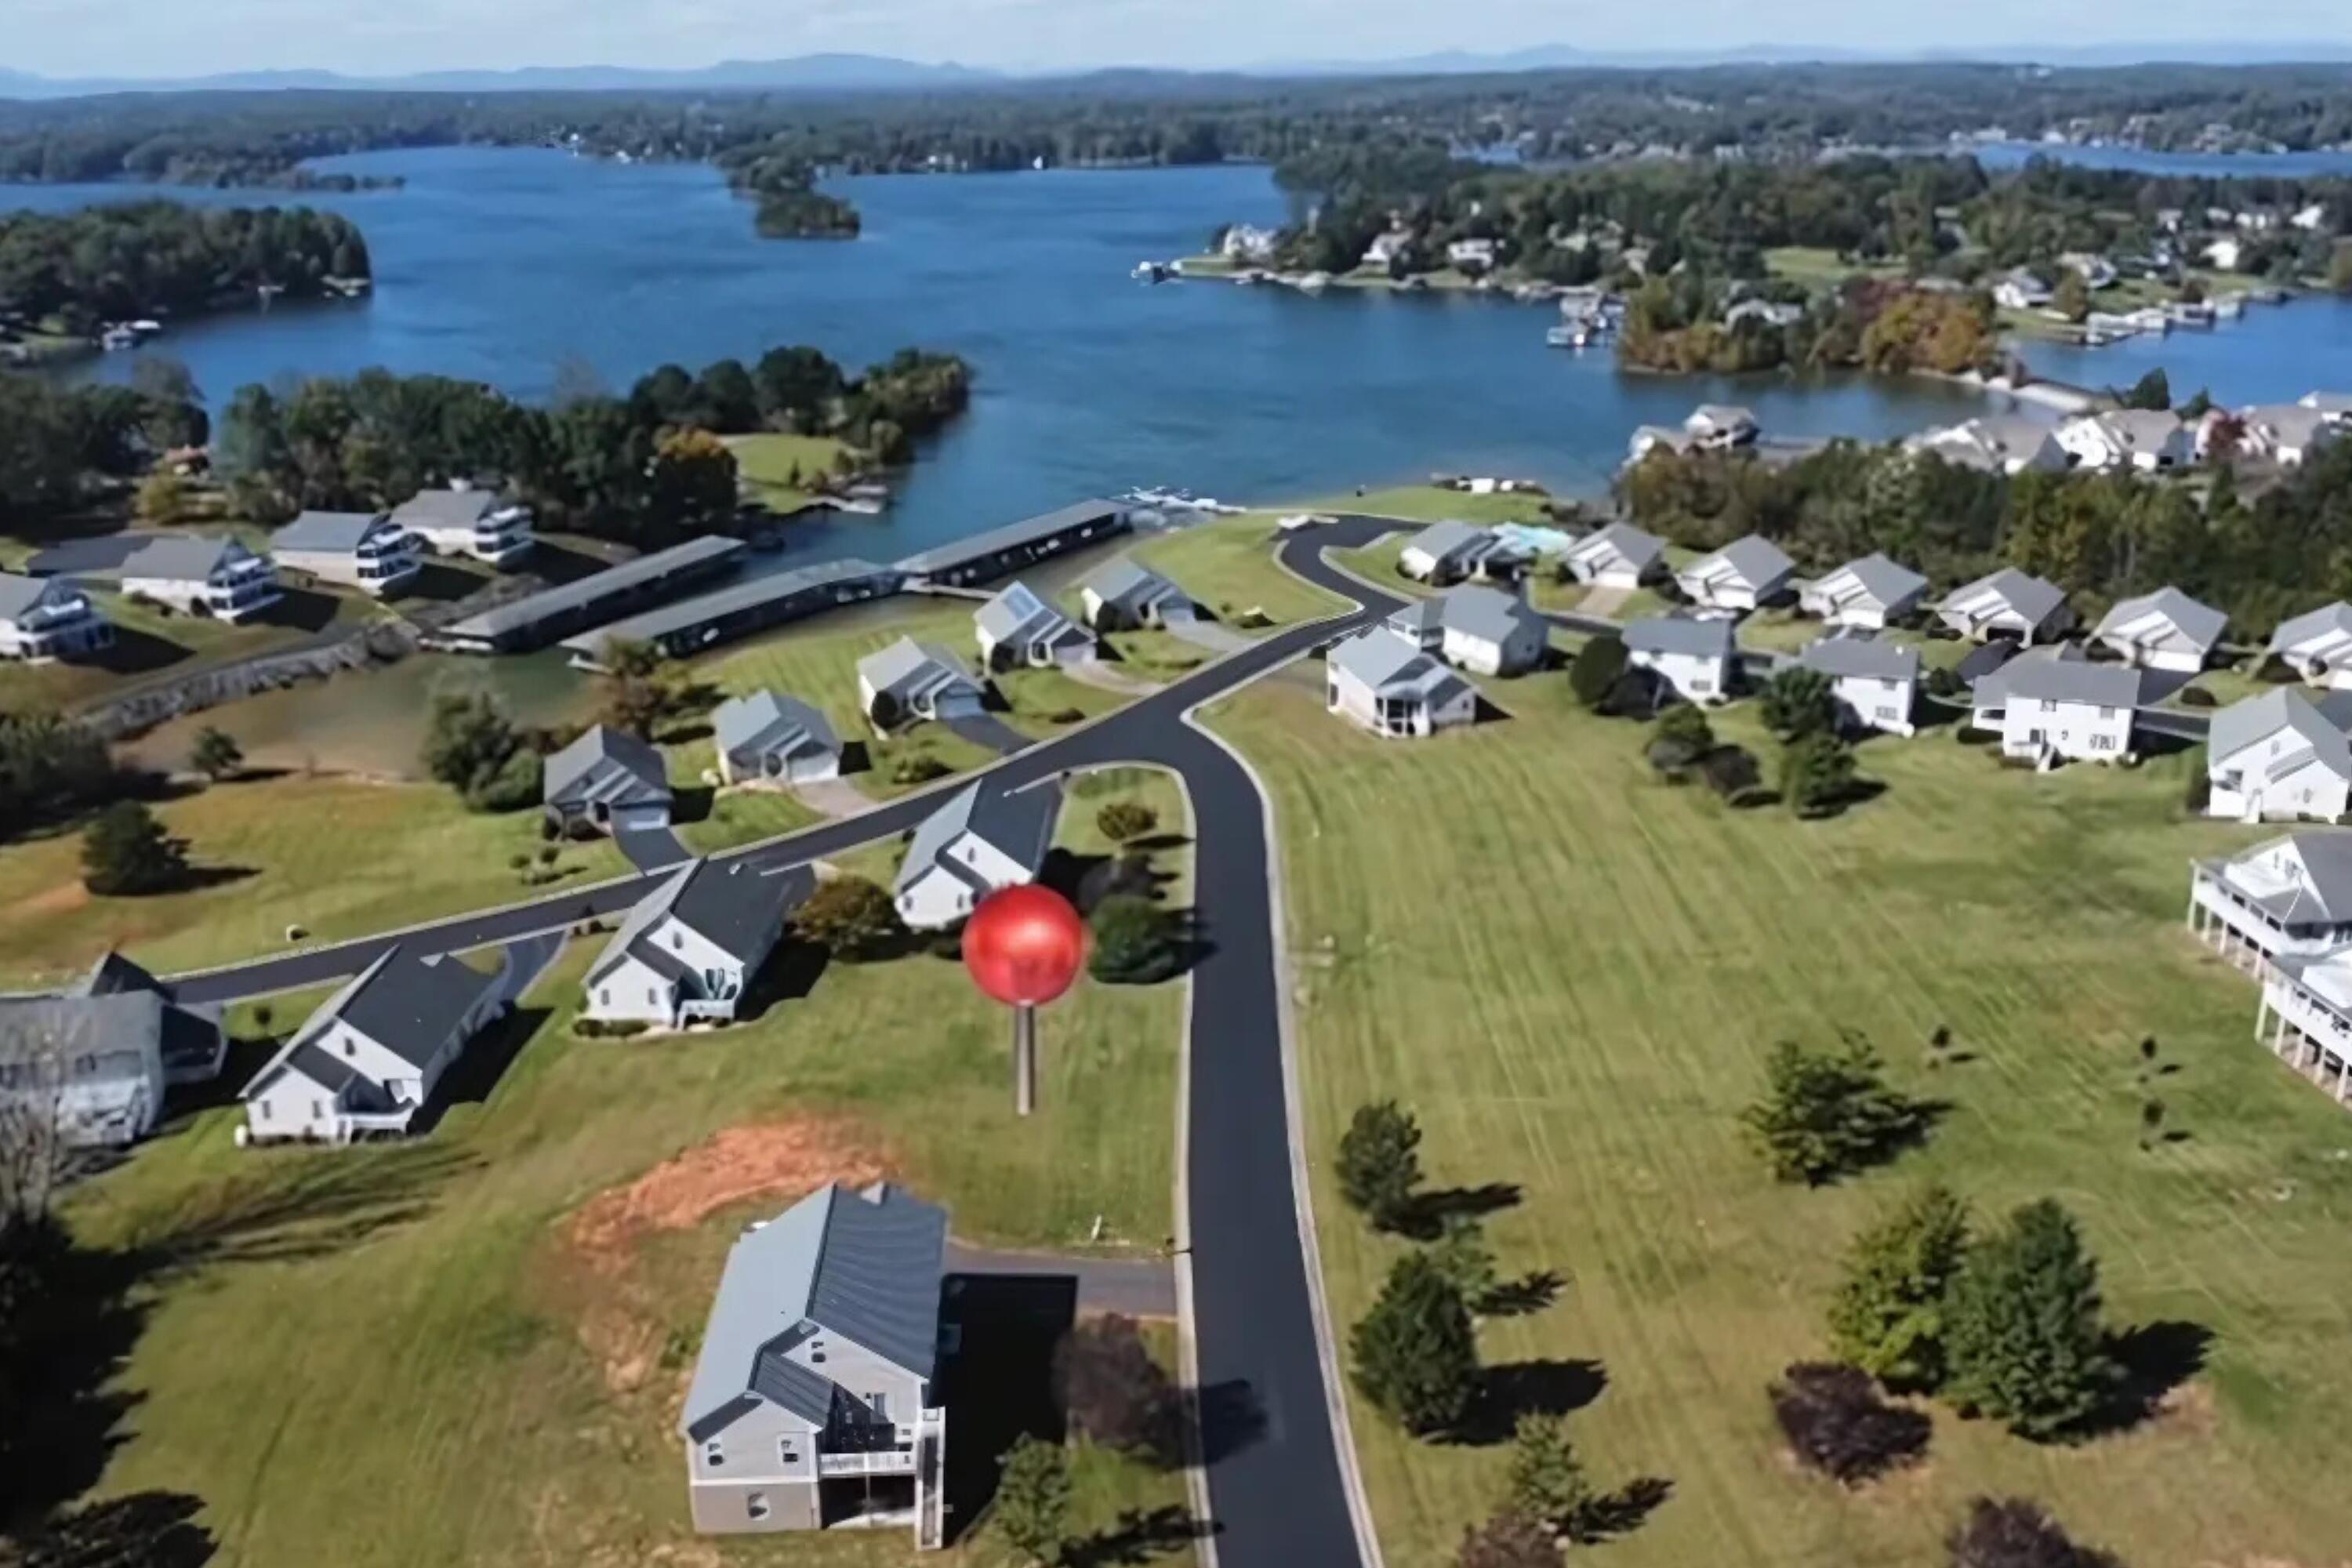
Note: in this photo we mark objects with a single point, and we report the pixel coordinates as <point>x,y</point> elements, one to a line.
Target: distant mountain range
<point>852,72</point>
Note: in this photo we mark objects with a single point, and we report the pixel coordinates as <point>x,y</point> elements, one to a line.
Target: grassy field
<point>338,858</point>
<point>1819,268</point>
<point>457,1341</point>
<point>773,465</point>
<point>1228,566</point>
<point>1572,972</point>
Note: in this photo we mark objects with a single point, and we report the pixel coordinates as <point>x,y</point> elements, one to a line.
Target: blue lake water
<point>503,265</point>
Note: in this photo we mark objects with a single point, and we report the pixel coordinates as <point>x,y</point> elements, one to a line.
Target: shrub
<point>1731,772</point>
<point>851,917</point>
<point>1816,772</point>
<point>1415,1353</point>
<point>2196,789</point>
<point>1509,1540</point>
<point>1595,670</point>
<point>2196,697</point>
<point>1826,1113</point>
<point>125,852</point>
<point>2023,1334</point>
<point>1114,1392</point>
<point>515,785</point>
<point>608,1028</point>
<point>1945,682</point>
<point>1066,716</point>
<point>919,767</point>
<point>1124,819</point>
<point>2011,1532</point>
<point>1835,1422</point>
<point>1134,941</point>
<point>1888,1317</point>
<point>216,754</point>
<point>1681,737</point>
<point>1547,1481</point>
<point>1380,1163</point>
<point>1033,1499</point>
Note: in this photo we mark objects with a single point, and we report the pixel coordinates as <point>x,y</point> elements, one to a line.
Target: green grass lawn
<point>1228,566</point>
<point>775,466</point>
<point>1818,267</point>
<point>420,1337</point>
<point>1572,972</point>
<point>337,857</point>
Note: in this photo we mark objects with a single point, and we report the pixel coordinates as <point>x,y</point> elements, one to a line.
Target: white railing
<point>886,1462</point>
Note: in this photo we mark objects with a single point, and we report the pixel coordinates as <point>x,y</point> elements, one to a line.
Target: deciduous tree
<point>216,754</point>
<point>851,917</point>
<point>1114,1389</point>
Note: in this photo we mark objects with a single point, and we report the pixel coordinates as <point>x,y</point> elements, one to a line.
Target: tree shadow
<point>1138,1536</point>
<point>306,1204</point>
<point>80,1314</point>
<point>1230,1418</point>
<point>1624,1510</point>
<point>1513,1389</point>
<point>1155,843</point>
<point>199,878</point>
<point>2154,1359</point>
<point>1857,792</point>
<point>1427,1213</point>
<point>151,1530</point>
<point>691,802</point>
<point>1523,1296</point>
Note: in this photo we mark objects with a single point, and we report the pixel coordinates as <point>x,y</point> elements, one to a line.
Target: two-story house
<point>1474,627</point>
<point>984,838</point>
<point>1873,681</point>
<point>202,576</point>
<point>366,551</point>
<point>1384,681</point>
<point>2281,756</point>
<point>816,1396</point>
<point>2053,705</point>
<point>1692,657</point>
<point>690,948</point>
<point>367,1060</point>
<point>2145,439</point>
<point>2284,898</point>
<point>476,522</point>
<point>93,1064</point>
<point>1459,552</point>
<point>44,618</point>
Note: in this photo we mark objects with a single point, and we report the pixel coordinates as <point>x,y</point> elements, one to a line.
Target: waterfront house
<point>1722,425</point>
<point>1767,312</point>
<point>1488,632</point>
<point>815,1399</point>
<point>2285,433</point>
<point>367,1060</point>
<point>766,736</point>
<point>1617,556</point>
<point>1001,552</point>
<point>1385,248</point>
<point>2317,646</point>
<point>1244,242</point>
<point>1389,686</point>
<point>198,575</point>
<point>1122,595</point>
<point>2284,898</point>
<point>1741,575</point>
<point>94,1063</point>
<point>1997,444</point>
<point>2145,439</point>
<point>361,550</point>
<point>463,520</point>
<point>985,838</point>
<point>1875,681</point>
<point>2163,630</point>
<point>1018,629</point>
<point>1691,656</point>
<point>2335,405</point>
<point>44,618</point>
<point>1871,593</point>
<point>1649,438</point>
<point>2096,271</point>
<point>2020,290</point>
<point>2006,603</point>
<point>2223,254</point>
<point>1457,551</point>
<point>690,948</point>
<point>911,680</point>
<point>608,779</point>
<point>2281,756</point>
<point>1471,257</point>
<point>2053,705</point>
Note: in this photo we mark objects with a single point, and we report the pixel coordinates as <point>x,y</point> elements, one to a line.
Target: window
<point>349,1048</point>
<point>605,996</point>
<point>786,1452</point>
<point>714,1453</point>
<point>2106,712</point>
<point>881,1403</point>
<point>677,938</point>
<point>317,1111</point>
<point>756,1504</point>
<point>265,1110</point>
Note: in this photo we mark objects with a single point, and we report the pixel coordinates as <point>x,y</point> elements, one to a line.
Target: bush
<point>1135,941</point>
<point>517,785</point>
<point>2196,789</point>
<point>125,852</point>
<point>1681,737</point>
<point>1415,1353</point>
<point>1836,1422</point>
<point>2011,1532</point>
<point>1827,1113</point>
<point>1945,682</point>
<point>1066,716</point>
<point>919,767</point>
<point>851,917</point>
<point>1546,1483</point>
<point>1124,819</point>
<point>1380,1163</point>
<point>2196,697</point>
<point>1888,1317</point>
<point>1595,670</point>
<point>1732,772</point>
<point>1816,772</point>
<point>608,1028</point>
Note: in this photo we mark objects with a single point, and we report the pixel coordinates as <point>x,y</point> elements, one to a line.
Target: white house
<point>911,681</point>
<point>984,838</point>
<point>1386,247</point>
<point>1387,684</point>
<point>1722,425</point>
<point>2008,603</point>
<point>366,1062</point>
<point>1471,256</point>
<point>1997,444</point>
<point>44,618</point>
<point>1767,311</point>
<point>2287,899</point>
<point>2335,405</point>
<point>2163,630</point>
<point>1245,242</point>
<point>2020,290</point>
<point>366,551</point>
<point>1618,556</point>
<point>2096,271</point>
<point>2311,218</point>
<point>766,736</point>
<point>2052,704</point>
<point>1480,630</point>
<point>1876,682</point>
<point>2287,432</point>
<point>1868,594</point>
<point>2281,756</point>
<point>2317,646</point>
<point>2224,253</point>
<point>2306,1018</point>
<point>690,948</point>
<point>1741,575</point>
<point>202,576</point>
<point>462,521</point>
<point>1121,595</point>
<point>1457,551</point>
<point>2148,439</point>
<point>1693,657</point>
<point>1649,438</point>
<point>1017,629</point>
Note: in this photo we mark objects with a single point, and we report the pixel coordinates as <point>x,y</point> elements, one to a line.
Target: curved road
<point>1277,1490</point>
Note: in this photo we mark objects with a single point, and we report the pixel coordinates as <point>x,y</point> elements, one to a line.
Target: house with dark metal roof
<point>608,779</point>
<point>1691,655</point>
<point>1018,629</point>
<point>750,603</point>
<point>984,838</point>
<point>98,1060</point>
<point>690,948</point>
<point>594,600</point>
<point>1875,681</point>
<point>361,550</point>
<point>470,522</point>
<point>1388,685</point>
<point>1124,595</point>
<point>201,576</point>
<point>912,681</point>
<point>366,1061</point>
<point>816,1396</point>
<point>1001,552</point>
<point>42,619</point>
<point>768,737</point>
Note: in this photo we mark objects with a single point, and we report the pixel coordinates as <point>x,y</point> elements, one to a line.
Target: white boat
<point>1150,272</point>
<point>1575,337</point>
<point>2229,306</point>
<point>1314,283</point>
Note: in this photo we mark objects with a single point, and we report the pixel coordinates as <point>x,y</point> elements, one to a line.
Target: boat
<point>1570,337</point>
<point>2229,306</point>
<point>1152,272</point>
<point>117,338</point>
<point>1314,283</point>
<point>2185,314</point>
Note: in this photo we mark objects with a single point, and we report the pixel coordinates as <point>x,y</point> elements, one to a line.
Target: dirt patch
<point>63,899</point>
<point>2187,1409</point>
<point>783,1160</point>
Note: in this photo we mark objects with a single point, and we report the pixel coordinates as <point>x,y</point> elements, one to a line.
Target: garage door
<point>640,818</point>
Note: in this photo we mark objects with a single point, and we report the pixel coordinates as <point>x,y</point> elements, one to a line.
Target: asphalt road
<point>1273,1462</point>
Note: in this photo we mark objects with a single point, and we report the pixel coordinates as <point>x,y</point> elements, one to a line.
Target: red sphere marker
<point>1022,946</point>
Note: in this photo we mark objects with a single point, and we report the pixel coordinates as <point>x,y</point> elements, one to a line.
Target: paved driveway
<point>988,730</point>
<point>651,848</point>
<point>1137,1287</point>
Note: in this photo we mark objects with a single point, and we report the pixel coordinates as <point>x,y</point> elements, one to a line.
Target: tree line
<point>144,258</point>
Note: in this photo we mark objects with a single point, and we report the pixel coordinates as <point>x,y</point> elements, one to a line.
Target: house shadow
<point>999,1377</point>
<point>239,1063</point>
<point>480,1066</point>
<point>2154,1359</point>
<point>134,652</point>
<point>2155,744</point>
<point>303,609</point>
<point>856,758</point>
<point>691,802</point>
<point>560,564</point>
<point>438,582</point>
<point>1230,1416</point>
<point>1484,711</point>
<point>80,1318</point>
<point>789,976</point>
<point>1513,1389</point>
<point>683,734</point>
<point>1425,1215</point>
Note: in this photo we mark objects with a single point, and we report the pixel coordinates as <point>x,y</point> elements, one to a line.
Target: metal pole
<point>1025,1058</point>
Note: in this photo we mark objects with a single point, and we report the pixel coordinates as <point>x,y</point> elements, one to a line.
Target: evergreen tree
<point>1681,737</point>
<point>1888,1317</point>
<point>2023,1336</point>
<point>1463,1256</point>
<point>1798,701</point>
<point>1594,673</point>
<point>1547,1481</point>
<point>1133,943</point>
<point>125,852</point>
<point>216,754</point>
<point>1415,1353</point>
<point>1380,1167</point>
<point>1033,1499</point>
<point>1826,1113</point>
<point>1816,771</point>
<point>1124,819</point>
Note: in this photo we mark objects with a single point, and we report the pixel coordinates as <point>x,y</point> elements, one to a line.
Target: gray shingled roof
<point>864,1266</point>
<point>2070,681</point>
<point>1483,613</point>
<point>1019,823</point>
<point>2255,719</point>
<point>1417,617</point>
<point>1876,659</point>
<point>2325,893</point>
<point>180,557</point>
<point>1886,582</point>
<point>326,532</point>
<point>760,722</point>
<point>2328,618</point>
<point>1622,537</point>
<point>1045,526</point>
<point>1680,634</point>
<point>1394,666</point>
<point>447,509</point>
<point>18,595</point>
<point>405,1002</point>
<point>1757,558</point>
<point>907,666</point>
<point>2029,597</point>
<point>735,906</point>
<point>1127,581</point>
<point>1018,613</point>
<point>119,1032</point>
<point>2291,424</point>
<point>608,764</point>
<point>2201,625</point>
<point>1440,540</point>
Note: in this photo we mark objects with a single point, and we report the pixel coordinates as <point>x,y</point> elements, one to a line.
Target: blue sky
<point>151,37</point>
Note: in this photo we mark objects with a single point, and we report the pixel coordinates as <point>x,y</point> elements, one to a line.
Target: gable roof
<point>120,1033</point>
<point>1393,665</point>
<point>1482,612</point>
<point>735,906</point>
<point>2139,430</point>
<point>608,764</point>
<point>2074,680</point>
<point>19,595</point>
<point>180,557</point>
<point>2200,624</point>
<point>1126,579</point>
<point>2323,891</point>
<point>449,508</point>
<point>1755,559</point>
<point>1720,416</point>
<point>764,720</point>
<point>2288,423</point>
<point>907,665</point>
<point>864,1266</point>
<point>1623,540</point>
<point>1017,611</point>
<point>1442,539</point>
<point>2253,720</point>
<point>1011,535</point>
<point>1885,580</point>
<point>1878,658</point>
<point>2026,595</point>
<point>1680,634</point>
<point>328,532</point>
<point>406,1003</point>
<point>2328,620</point>
<point>112,974</point>
<point>1019,824</point>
